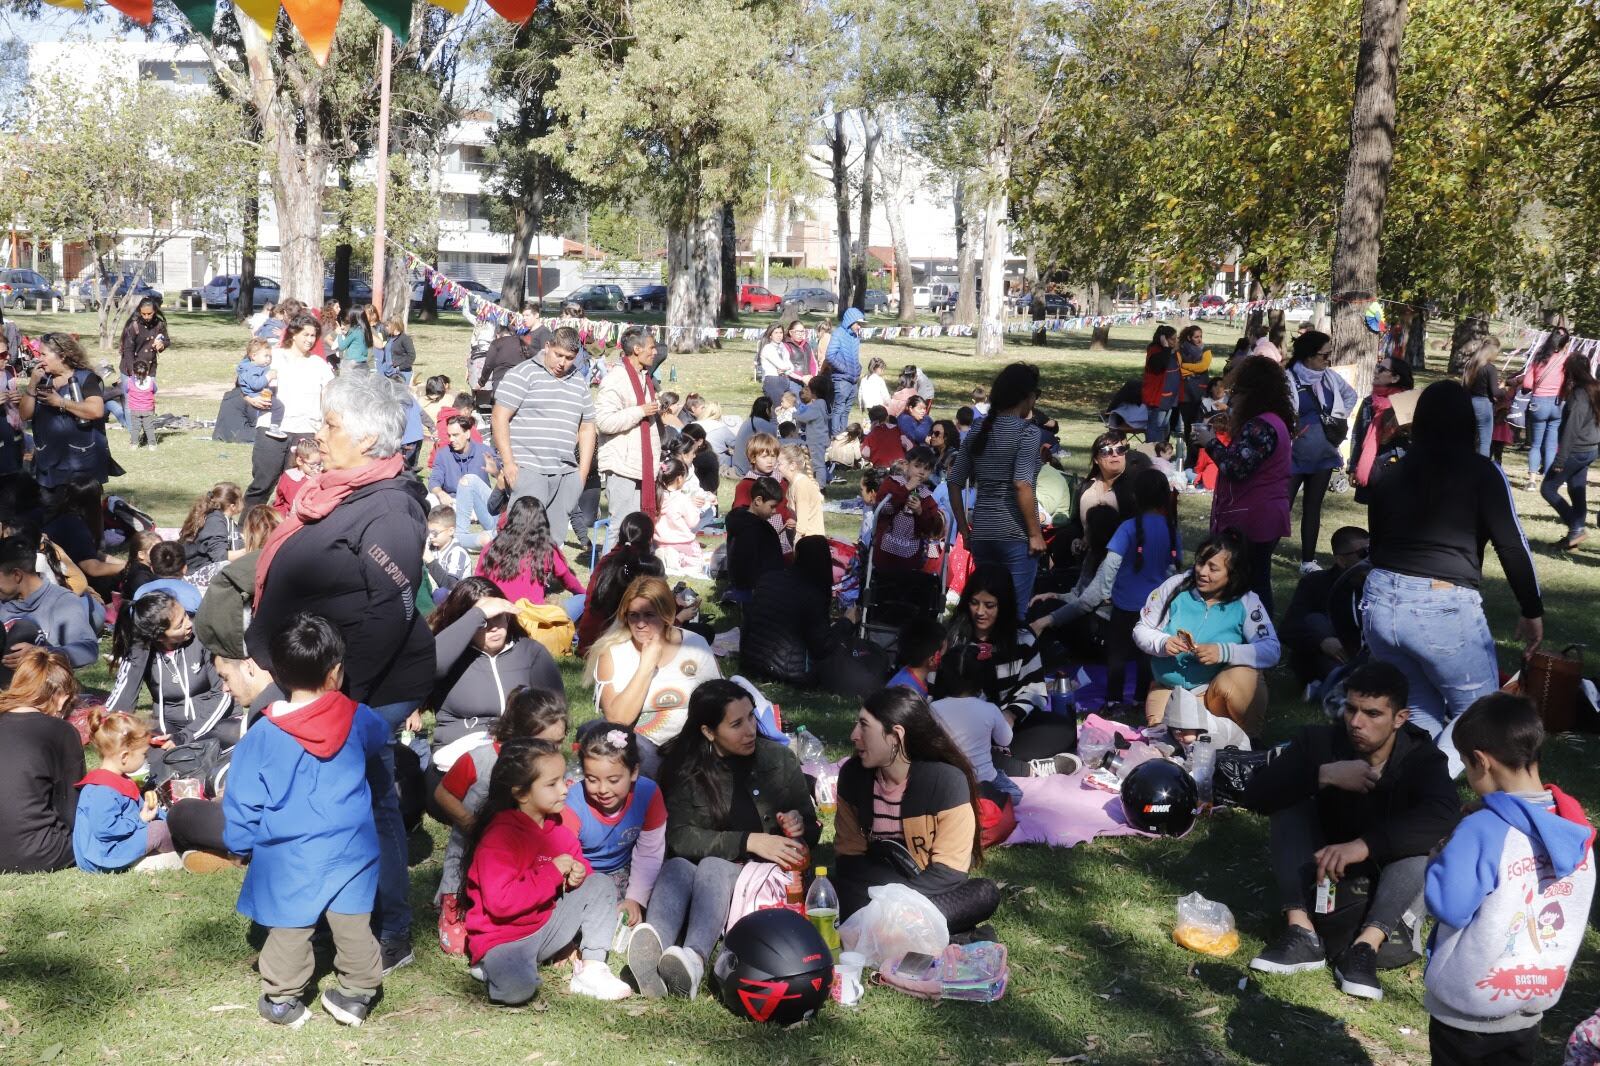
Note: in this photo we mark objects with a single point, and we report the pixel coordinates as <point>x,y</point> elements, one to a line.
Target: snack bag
<point>1205,926</point>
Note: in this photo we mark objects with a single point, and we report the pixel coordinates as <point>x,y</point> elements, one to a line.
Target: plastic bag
<point>1093,743</point>
<point>897,922</point>
<point>1205,926</point>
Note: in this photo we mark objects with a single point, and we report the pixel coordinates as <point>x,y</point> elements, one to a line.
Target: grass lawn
<point>155,968</point>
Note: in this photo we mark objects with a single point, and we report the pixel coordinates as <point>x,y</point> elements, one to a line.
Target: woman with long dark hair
<point>908,813</point>
<point>1374,427</point>
<point>1253,469</point>
<point>986,615</point>
<point>1194,363</point>
<point>732,796</point>
<point>632,557</point>
<point>144,338</point>
<point>1105,486</point>
<point>1542,378</point>
<point>1482,380</point>
<point>760,421</point>
<point>1001,459</point>
<point>1578,446</point>
<point>1430,514</point>
<point>524,558</point>
<point>1323,402</point>
<point>945,440</point>
<point>1163,384</point>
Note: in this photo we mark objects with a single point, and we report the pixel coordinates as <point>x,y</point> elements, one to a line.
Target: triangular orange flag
<point>140,11</point>
<point>315,19</point>
<point>517,11</point>
<point>264,13</point>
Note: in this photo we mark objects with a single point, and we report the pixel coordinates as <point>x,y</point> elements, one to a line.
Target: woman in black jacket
<point>789,635</point>
<point>351,551</point>
<point>732,796</point>
<point>144,337</point>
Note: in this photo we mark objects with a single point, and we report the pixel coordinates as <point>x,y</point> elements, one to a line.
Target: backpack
<point>201,761</point>
<point>549,625</point>
<point>761,885</point>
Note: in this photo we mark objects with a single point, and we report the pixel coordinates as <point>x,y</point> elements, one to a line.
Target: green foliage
<point>411,214</point>
<point>626,232</point>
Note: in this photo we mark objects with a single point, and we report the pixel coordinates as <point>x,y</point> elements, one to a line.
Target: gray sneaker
<point>1296,951</point>
<point>644,961</point>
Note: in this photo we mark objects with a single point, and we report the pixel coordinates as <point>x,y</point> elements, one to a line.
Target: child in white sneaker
<point>529,889</point>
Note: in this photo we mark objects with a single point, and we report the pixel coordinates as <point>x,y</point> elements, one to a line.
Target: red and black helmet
<point>774,967</point>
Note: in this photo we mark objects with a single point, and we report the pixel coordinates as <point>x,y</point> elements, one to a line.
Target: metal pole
<point>381,229</point>
<point>766,234</point>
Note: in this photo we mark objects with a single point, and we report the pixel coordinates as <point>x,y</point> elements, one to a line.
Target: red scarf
<point>317,501</point>
<point>644,391</point>
<point>116,782</point>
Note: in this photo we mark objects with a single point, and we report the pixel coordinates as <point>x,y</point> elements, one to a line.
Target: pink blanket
<point>1063,811</point>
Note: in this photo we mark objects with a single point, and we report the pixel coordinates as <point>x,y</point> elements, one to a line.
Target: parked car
<point>96,291</point>
<point>920,296</point>
<point>20,288</point>
<point>805,301</point>
<point>941,297</point>
<point>648,298</point>
<point>360,290</point>
<point>875,300</point>
<point>478,288</point>
<point>1212,301</point>
<point>223,291</point>
<point>1055,304</point>
<point>757,298</point>
<point>444,301</point>
<point>596,297</point>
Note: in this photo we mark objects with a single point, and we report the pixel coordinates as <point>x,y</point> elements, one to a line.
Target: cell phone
<point>915,964</point>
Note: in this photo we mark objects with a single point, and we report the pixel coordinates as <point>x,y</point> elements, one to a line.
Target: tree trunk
<point>1366,186</point>
<point>246,303</point>
<point>397,289</point>
<point>837,144</point>
<point>514,289</point>
<point>967,221</point>
<point>429,311</point>
<point>992,334</point>
<point>1464,340</point>
<point>1099,336</point>
<point>729,289</point>
<point>869,151</point>
<point>341,274</point>
<point>891,174</point>
<point>694,285</point>
<point>1256,319</point>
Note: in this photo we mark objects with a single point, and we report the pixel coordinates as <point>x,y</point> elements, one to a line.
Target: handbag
<point>1554,683</point>
<point>1335,429</point>
<point>1232,773</point>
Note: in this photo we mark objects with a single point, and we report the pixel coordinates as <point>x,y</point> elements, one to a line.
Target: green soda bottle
<point>822,908</point>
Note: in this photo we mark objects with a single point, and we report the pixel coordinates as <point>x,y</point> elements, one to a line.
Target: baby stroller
<point>892,594</point>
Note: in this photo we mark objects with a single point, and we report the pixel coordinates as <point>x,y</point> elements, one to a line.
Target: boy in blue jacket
<point>299,805</point>
<point>1511,891</point>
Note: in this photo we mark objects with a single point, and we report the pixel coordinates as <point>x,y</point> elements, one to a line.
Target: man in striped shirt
<point>543,429</point>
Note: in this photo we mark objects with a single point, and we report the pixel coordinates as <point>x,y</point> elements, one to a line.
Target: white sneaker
<point>595,980</point>
<point>681,970</point>
<point>1310,567</point>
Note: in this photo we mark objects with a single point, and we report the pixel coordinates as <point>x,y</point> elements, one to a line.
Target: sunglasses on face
<point>1113,449</point>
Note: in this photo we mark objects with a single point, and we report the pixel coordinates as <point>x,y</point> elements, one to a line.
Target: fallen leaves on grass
<point>220,1007</point>
<point>1208,1012</point>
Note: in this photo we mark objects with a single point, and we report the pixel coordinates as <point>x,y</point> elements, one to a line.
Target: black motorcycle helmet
<point>774,967</point>
<point>1160,797</point>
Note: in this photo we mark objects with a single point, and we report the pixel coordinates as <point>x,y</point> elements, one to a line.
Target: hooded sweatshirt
<point>299,804</point>
<point>63,621</point>
<point>471,686</point>
<point>187,697</point>
<point>1511,891</point>
<point>844,351</point>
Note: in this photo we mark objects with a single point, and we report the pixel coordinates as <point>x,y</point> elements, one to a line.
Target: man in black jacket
<point>1307,630</point>
<point>1371,797</point>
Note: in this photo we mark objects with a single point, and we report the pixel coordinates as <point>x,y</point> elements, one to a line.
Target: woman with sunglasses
<point>65,402</point>
<point>1372,430</point>
<point>645,668</point>
<point>1108,461</point>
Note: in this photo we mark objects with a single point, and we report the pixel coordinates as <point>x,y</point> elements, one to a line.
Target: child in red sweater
<point>885,445</point>
<point>529,889</point>
<point>307,465</point>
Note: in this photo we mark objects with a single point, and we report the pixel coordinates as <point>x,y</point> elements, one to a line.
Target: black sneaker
<point>1357,971</point>
<point>346,1010</point>
<point>395,954</point>
<point>1296,951</point>
<point>291,1014</point>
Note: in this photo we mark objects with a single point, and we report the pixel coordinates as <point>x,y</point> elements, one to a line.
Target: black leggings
<point>963,905</point>
<point>1038,736</point>
<point>1311,510</point>
<point>1120,650</point>
<point>196,825</point>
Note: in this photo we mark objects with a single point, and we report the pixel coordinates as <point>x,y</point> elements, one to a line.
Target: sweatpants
<point>286,958</point>
<point>142,427</point>
<point>588,914</point>
<point>1450,1046</point>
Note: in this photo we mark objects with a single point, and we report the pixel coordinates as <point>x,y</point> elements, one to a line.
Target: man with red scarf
<point>625,415</point>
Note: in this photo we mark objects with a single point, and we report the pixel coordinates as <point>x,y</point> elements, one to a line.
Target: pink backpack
<point>760,885</point>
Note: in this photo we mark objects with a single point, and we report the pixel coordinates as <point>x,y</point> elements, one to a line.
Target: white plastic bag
<point>1205,926</point>
<point>897,921</point>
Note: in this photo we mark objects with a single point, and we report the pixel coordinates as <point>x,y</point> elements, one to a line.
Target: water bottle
<point>1202,763</point>
<point>822,907</point>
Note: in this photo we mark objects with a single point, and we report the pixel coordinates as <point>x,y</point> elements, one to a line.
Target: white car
<point>921,295</point>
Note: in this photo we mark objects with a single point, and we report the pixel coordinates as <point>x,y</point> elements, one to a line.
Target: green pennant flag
<point>202,14</point>
<point>395,14</point>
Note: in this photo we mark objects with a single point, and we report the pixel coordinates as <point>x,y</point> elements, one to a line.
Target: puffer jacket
<point>786,630</point>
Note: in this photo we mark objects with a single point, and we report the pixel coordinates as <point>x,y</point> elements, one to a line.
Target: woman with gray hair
<point>351,551</point>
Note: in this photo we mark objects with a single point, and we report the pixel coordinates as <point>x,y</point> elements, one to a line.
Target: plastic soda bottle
<point>822,908</point>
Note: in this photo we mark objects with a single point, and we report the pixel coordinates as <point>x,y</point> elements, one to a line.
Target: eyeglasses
<point>641,618</point>
<point>1112,449</point>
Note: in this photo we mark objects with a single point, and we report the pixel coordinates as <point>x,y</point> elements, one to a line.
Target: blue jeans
<point>391,912</point>
<point>1483,408</point>
<point>844,399</point>
<point>1014,556</point>
<point>115,409</point>
<point>1574,474</point>
<point>1544,429</point>
<point>1438,637</point>
<point>472,501</point>
<point>1157,424</point>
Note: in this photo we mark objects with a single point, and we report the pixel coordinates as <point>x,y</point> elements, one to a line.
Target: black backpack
<point>200,760</point>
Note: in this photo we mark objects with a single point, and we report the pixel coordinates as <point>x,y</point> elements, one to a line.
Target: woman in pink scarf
<point>1389,377</point>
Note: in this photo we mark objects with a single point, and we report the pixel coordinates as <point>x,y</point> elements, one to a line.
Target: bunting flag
<point>74,5</point>
<point>395,14</point>
<point>315,19</point>
<point>202,14</point>
<point>607,332</point>
<point>517,11</point>
<point>264,13</point>
<point>140,11</point>
<point>455,7</point>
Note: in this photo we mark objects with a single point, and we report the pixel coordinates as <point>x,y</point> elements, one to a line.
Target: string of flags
<point>1586,346</point>
<point>314,19</point>
<point>483,310</point>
